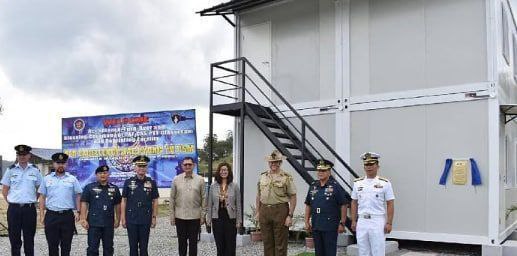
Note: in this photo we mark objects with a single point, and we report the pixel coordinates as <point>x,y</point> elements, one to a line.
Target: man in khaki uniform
<point>276,201</point>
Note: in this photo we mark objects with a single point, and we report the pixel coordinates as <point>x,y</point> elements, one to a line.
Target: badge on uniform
<point>360,189</point>
<point>377,185</point>
<point>97,191</point>
<point>148,184</point>
<point>132,186</point>
<point>314,191</point>
<point>112,190</point>
<point>105,207</point>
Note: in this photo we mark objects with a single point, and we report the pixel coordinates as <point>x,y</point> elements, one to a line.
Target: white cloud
<point>64,58</point>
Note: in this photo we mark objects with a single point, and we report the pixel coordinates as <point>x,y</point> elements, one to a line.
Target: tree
<point>222,149</point>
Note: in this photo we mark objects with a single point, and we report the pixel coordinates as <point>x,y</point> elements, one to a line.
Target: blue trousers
<point>138,235</point>
<point>21,219</point>
<point>325,242</point>
<point>95,235</point>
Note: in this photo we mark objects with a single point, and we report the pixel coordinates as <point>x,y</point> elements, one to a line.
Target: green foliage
<point>510,210</point>
<point>250,216</point>
<point>222,151</point>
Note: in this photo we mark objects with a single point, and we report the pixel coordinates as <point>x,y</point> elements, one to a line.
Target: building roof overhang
<point>231,7</point>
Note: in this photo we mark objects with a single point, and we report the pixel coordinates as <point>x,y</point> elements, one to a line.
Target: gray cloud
<point>129,54</point>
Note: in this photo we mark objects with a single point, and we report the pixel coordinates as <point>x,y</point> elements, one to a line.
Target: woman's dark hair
<point>218,173</point>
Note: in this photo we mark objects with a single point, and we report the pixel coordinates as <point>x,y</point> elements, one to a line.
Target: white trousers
<point>371,239</point>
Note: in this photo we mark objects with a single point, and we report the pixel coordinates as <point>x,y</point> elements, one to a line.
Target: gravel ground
<point>163,242</point>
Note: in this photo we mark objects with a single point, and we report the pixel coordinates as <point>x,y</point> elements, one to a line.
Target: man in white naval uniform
<point>372,208</point>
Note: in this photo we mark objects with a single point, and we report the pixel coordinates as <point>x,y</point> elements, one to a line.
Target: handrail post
<point>241,136</point>
<point>211,127</point>
<point>303,145</point>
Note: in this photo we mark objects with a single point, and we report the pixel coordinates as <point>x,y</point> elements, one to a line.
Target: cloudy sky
<point>62,58</point>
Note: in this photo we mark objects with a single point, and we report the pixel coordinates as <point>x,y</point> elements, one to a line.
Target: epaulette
<point>286,174</point>
<point>12,166</point>
<point>264,172</point>
<point>383,179</point>
<point>360,178</point>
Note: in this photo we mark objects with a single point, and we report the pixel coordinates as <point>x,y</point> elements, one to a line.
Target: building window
<point>504,31</point>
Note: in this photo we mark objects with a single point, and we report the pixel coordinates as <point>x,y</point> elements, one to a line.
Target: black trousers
<point>95,235</point>
<point>138,235</point>
<point>21,219</point>
<point>325,242</point>
<point>225,233</point>
<point>188,232</point>
<point>59,230</point>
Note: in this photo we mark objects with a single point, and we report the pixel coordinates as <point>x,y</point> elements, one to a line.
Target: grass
<point>163,210</point>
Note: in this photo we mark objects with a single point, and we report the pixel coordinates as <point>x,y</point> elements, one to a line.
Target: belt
<point>60,212</point>
<point>274,205</point>
<point>30,205</point>
<point>371,216</point>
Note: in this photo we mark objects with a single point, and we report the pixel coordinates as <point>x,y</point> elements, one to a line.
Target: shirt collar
<point>17,165</point>
<point>55,175</point>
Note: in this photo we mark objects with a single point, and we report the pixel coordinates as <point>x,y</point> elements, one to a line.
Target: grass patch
<point>163,210</point>
<point>306,254</point>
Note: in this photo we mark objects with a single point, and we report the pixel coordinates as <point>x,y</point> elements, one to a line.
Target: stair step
<point>281,135</point>
<point>289,145</point>
<point>270,123</point>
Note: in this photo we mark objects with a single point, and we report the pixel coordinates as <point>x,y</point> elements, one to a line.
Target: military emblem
<point>377,185</point>
<point>22,148</point>
<point>314,191</point>
<point>60,157</point>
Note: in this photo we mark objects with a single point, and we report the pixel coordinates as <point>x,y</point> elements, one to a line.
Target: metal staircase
<point>245,92</point>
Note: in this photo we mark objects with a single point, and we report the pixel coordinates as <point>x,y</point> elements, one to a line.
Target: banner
<point>165,137</point>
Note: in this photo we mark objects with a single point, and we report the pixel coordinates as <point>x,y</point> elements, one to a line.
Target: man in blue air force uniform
<point>325,210</point>
<point>19,188</point>
<point>100,212</point>
<point>59,206</point>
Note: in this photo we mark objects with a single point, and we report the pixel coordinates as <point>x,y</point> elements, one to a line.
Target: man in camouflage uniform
<point>275,202</point>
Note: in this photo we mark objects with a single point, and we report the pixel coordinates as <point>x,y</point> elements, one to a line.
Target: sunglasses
<point>188,164</point>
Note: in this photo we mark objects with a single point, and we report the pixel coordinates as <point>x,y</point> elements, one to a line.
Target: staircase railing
<point>233,76</point>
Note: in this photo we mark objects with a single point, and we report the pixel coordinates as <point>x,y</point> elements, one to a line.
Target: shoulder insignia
<point>12,166</point>
<point>360,178</point>
<point>383,179</point>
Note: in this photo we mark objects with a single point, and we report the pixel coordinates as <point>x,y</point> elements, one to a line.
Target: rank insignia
<point>377,186</point>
